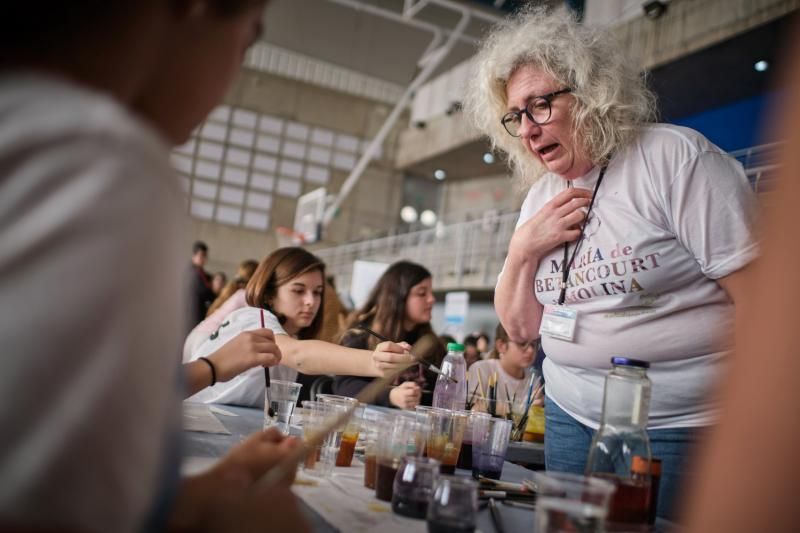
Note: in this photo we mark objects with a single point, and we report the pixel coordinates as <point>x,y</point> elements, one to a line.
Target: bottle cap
<point>455,347</point>
<point>627,361</point>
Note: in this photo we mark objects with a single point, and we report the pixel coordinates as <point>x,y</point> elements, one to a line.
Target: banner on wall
<point>456,307</point>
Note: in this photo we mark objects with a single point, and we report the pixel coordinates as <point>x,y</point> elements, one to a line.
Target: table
<point>201,449</point>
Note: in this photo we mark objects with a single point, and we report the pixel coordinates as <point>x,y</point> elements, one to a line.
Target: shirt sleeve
<point>712,210</point>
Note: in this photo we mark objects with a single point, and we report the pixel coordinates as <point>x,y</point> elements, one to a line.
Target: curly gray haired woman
<point>611,98</point>
<point>636,232</point>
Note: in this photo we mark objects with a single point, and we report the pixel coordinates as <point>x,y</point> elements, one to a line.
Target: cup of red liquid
<point>397,440</point>
<point>373,425</point>
<point>347,446</point>
<point>465,457</point>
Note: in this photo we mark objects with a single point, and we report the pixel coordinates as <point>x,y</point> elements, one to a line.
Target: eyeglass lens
<point>537,110</point>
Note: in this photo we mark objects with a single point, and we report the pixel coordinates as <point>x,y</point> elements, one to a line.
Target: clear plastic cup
<point>280,398</point>
<point>351,429</point>
<point>445,433</point>
<point>413,486</point>
<point>321,460</point>
<point>490,438</point>
<point>465,456</point>
<point>396,441</point>
<point>571,502</point>
<point>374,424</point>
<point>453,505</point>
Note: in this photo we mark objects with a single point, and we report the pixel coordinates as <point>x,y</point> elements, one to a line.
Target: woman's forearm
<point>515,301</point>
<point>319,357</point>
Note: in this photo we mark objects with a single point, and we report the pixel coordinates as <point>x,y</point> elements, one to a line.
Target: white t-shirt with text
<point>673,214</point>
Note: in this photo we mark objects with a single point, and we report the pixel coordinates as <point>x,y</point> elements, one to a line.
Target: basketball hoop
<point>289,237</point>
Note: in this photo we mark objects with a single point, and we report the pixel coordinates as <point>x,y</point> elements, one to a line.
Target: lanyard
<point>568,264</point>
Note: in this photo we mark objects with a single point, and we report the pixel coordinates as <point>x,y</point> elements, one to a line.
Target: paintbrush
<point>288,465</point>
<point>433,368</point>
<point>497,521</point>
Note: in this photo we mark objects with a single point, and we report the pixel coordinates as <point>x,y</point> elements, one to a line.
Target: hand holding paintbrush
<point>433,368</point>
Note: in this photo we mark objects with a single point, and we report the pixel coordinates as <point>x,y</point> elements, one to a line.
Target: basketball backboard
<point>309,213</point>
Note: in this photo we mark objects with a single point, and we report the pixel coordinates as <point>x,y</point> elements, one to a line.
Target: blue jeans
<point>567,442</point>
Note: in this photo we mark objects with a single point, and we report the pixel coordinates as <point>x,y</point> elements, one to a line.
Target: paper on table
<point>221,411</point>
<point>198,417</point>
<point>347,505</point>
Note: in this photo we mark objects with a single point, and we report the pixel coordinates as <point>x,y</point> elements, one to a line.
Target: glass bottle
<point>449,394</point>
<point>621,438</point>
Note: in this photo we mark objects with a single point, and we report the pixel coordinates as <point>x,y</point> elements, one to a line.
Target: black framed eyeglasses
<point>538,111</point>
<point>534,345</point>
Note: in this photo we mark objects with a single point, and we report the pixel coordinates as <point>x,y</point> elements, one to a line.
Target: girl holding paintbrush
<point>399,308</point>
<point>285,295</point>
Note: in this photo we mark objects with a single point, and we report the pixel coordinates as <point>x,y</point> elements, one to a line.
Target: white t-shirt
<point>201,331</point>
<point>248,387</point>
<point>506,382</point>
<point>673,214</point>
<point>92,295</point>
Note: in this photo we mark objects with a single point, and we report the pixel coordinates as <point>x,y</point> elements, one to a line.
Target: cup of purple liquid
<point>490,438</point>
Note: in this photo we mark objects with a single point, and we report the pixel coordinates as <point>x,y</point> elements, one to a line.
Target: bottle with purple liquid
<point>452,394</point>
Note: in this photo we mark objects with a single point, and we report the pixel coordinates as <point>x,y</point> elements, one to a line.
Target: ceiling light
<point>488,158</point>
<point>439,174</point>
<point>761,66</point>
<point>408,214</point>
<point>428,218</point>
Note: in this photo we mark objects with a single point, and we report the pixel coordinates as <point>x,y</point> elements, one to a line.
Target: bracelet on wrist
<point>213,370</point>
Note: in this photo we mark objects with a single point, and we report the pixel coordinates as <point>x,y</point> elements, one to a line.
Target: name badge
<point>559,322</point>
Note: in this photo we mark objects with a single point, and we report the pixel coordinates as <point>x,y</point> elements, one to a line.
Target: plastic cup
<point>571,502</point>
<point>422,417</point>
<point>413,486</point>
<point>465,456</point>
<point>490,438</point>
<point>351,429</point>
<point>445,434</point>
<point>453,505</point>
<point>373,426</point>
<point>321,461</point>
<point>534,429</point>
<point>281,397</point>
<point>396,441</point>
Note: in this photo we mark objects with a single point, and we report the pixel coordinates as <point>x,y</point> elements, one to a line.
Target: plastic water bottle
<point>448,394</point>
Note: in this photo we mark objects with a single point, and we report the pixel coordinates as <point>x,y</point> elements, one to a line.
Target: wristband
<point>213,370</point>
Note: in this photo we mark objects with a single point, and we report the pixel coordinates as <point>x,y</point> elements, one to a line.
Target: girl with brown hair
<point>399,308</point>
<point>287,288</point>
